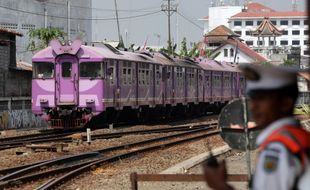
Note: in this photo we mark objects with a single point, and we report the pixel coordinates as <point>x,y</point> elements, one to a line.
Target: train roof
<point>213,65</point>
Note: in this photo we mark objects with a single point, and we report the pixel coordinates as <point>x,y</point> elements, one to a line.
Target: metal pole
<point>69,24</point>
<point>169,30</point>
<point>45,16</point>
<point>118,30</point>
<point>247,148</point>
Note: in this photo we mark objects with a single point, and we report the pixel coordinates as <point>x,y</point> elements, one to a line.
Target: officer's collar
<point>274,126</point>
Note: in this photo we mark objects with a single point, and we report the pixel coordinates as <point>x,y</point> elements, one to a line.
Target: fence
<point>15,113</point>
<point>135,178</point>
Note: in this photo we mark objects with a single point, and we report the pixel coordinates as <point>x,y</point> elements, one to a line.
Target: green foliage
<point>183,51</point>
<point>288,62</point>
<point>265,63</point>
<point>194,51</point>
<point>169,50</point>
<point>210,54</point>
<point>40,38</point>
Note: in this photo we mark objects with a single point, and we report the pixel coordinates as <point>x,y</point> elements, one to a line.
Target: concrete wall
<point>34,18</point>
<point>15,113</point>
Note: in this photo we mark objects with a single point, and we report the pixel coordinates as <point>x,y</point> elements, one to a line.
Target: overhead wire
<point>189,20</point>
<point>75,18</point>
<point>146,9</point>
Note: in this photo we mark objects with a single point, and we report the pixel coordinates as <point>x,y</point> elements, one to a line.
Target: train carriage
<point>73,83</point>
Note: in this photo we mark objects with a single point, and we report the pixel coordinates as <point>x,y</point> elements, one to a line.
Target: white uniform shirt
<point>276,167</point>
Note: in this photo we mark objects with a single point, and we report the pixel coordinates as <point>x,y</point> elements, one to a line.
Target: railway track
<point>15,142</point>
<point>24,174</point>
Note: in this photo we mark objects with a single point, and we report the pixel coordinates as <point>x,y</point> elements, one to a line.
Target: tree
<point>183,51</point>
<point>210,54</point>
<point>41,37</point>
<point>194,51</point>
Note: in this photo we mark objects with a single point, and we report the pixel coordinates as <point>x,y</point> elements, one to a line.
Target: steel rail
<point>9,181</point>
<point>58,181</point>
<point>13,144</point>
<point>52,162</point>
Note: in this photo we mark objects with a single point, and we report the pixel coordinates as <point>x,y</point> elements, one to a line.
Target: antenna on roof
<point>294,5</point>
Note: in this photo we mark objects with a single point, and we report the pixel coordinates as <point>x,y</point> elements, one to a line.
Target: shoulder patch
<point>270,163</point>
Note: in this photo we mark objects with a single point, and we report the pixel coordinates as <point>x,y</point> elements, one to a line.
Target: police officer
<point>282,161</point>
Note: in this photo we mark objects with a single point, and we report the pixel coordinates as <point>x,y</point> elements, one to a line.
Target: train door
<point>67,80</point>
<point>111,85</point>
<point>128,89</point>
<point>167,73</point>
<point>200,86</point>
<point>158,85</point>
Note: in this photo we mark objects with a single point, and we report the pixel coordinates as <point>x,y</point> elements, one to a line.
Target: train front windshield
<point>43,70</point>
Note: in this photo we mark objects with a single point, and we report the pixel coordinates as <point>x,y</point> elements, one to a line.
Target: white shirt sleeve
<point>276,169</point>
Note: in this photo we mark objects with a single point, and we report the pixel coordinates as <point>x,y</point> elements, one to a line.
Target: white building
<point>292,23</point>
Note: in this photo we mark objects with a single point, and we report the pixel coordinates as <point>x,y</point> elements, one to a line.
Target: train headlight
<point>43,100</point>
<point>89,101</point>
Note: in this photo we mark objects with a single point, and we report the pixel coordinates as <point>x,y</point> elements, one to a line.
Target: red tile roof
<point>4,30</point>
<point>254,7</point>
<point>269,14</point>
<point>245,49</point>
<point>266,28</point>
<point>221,31</point>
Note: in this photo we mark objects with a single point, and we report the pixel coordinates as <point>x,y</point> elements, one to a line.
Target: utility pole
<point>294,5</point>
<point>68,21</point>
<point>169,9</point>
<point>117,20</point>
<point>45,16</point>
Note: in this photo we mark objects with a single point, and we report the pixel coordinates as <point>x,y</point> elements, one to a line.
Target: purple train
<point>74,84</point>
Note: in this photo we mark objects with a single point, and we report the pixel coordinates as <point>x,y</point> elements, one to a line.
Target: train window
<point>129,77</point>
<point>91,70</point>
<point>43,70</point>
<point>124,76</point>
<point>147,77</point>
<point>143,77</point>
<point>66,68</point>
<point>110,74</point>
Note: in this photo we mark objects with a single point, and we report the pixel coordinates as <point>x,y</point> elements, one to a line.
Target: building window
<point>225,52</point>
<point>237,23</point>
<point>271,43</point>
<point>238,32</point>
<point>295,32</point>
<point>306,52</point>
<point>284,32</point>
<point>283,42</point>
<point>274,22</point>
<point>249,43</point>
<point>305,22</point>
<point>260,43</point>
<point>283,22</point>
<point>306,42</point>
<point>259,22</point>
<point>248,33</point>
<point>8,25</point>
<point>306,32</point>
<point>28,26</point>
<point>231,52</point>
<point>249,23</point>
<point>295,42</point>
<point>295,22</point>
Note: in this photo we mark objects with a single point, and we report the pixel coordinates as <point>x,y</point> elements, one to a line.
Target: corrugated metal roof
<point>5,30</point>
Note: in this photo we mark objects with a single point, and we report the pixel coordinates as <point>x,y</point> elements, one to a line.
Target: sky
<point>149,24</point>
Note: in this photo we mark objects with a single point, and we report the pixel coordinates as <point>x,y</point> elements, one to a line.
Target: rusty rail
<point>135,178</point>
